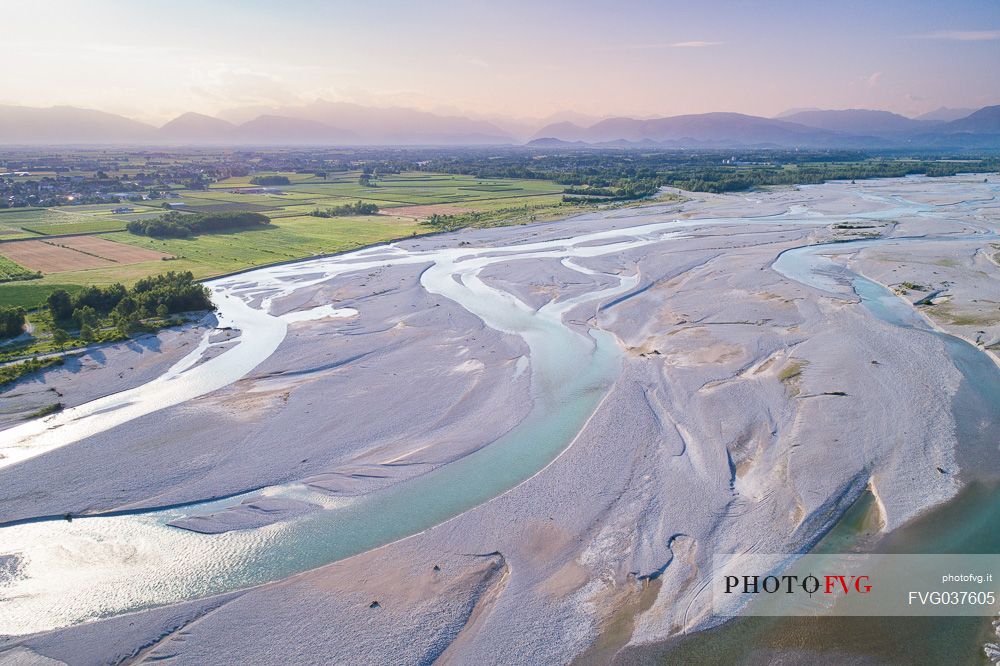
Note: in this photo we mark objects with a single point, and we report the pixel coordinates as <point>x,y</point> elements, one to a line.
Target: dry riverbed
<point>750,410</point>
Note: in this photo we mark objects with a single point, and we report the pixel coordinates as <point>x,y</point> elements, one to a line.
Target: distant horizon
<point>520,62</point>
<point>240,115</point>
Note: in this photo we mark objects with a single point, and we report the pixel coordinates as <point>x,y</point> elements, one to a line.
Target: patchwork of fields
<point>73,253</point>
<point>110,254</point>
<point>28,222</point>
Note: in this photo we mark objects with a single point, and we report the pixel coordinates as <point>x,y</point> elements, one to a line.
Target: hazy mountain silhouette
<point>945,114</point>
<point>850,128</point>
<point>339,123</point>
<point>198,128</point>
<point>858,121</point>
<point>791,112</point>
<point>394,125</point>
<point>69,125</point>
<point>984,121</point>
<point>698,129</point>
<point>279,130</point>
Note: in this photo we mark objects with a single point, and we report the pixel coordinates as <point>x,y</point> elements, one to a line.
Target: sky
<point>155,59</point>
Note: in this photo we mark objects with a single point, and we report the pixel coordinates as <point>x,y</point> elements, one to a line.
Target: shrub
<point>11,322</point>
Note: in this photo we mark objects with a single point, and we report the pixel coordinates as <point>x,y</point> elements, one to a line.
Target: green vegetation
<point>621,191</point>
<point>96,225</point>
<point>906,287</point>
<point>11,271</point>
<point>12,371</point>
<point>11,322</point>
<point>31,222</point>
<point>359,208</point>
<point>497,217</point>
<point>283,240</point>
<point>94,308</point>
<point>294,233</point>
<point>738,178</point>
<point>45,411</point>
<point>951,314</point>
<point>31,295</point>
<point>270,180</point>
<point>791,376</point>
<point>100,314</point>
<point>791,371</point>
<point>635,172</point>
<point>470,186</point>
<point>182,225</point>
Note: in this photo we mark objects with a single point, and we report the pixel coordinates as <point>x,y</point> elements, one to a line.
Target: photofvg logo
<point>855,584</point>
<point>789,584</point>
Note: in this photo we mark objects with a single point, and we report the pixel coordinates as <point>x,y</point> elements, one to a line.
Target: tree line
<point>181,225</point>
<point>633,173</point>
<point>359,208</point>
<point>270,180</point>
<point>124,309</point>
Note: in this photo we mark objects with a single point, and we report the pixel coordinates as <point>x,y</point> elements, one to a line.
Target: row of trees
<point>359,208</point>
<point>181,225</point>
<point>625,191</point>
<point>96,307</point>
<point>270,180</point>
<point>711,170</point>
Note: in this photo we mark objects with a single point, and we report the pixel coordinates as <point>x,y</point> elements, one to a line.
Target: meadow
<point>28,222</point>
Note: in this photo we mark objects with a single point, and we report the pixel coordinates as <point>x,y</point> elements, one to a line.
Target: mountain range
<point>341,123</point>
<point>319,123</point>
<point>815,128</point>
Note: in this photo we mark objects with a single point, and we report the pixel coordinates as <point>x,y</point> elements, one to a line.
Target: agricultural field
<point>389,191</point>
<point>32,294</point>
<point>108,253</point>
<point>74,253</point>
<point>11,270</point>
<point>25,222</point>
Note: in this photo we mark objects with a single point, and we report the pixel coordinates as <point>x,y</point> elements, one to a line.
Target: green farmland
<point>11,271</point>
<point>293,233</point>
<point>27,222</point>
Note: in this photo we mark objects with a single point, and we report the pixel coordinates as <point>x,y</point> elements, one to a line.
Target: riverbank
<point>91,372</point>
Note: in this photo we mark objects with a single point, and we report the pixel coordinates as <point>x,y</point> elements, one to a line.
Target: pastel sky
<point>153,59</point>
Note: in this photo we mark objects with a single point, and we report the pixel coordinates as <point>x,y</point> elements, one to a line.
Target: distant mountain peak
<point>945,114</point>
<point>856,121</point>
<point>274,129</point>
<point>395,125</point>
<point>984,121</point>
<point>720,128</point>
<point>792,112</point>
<point>195,117</point>
<point>197,127</point>
<point>550,142</point>
<point>69,125</point>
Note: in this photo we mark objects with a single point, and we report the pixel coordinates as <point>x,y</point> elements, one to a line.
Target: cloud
<point>962,35</point>
<point>693,45</point>
<point>243,87</point>
<point>696,44</point>
<point>873,80</point>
